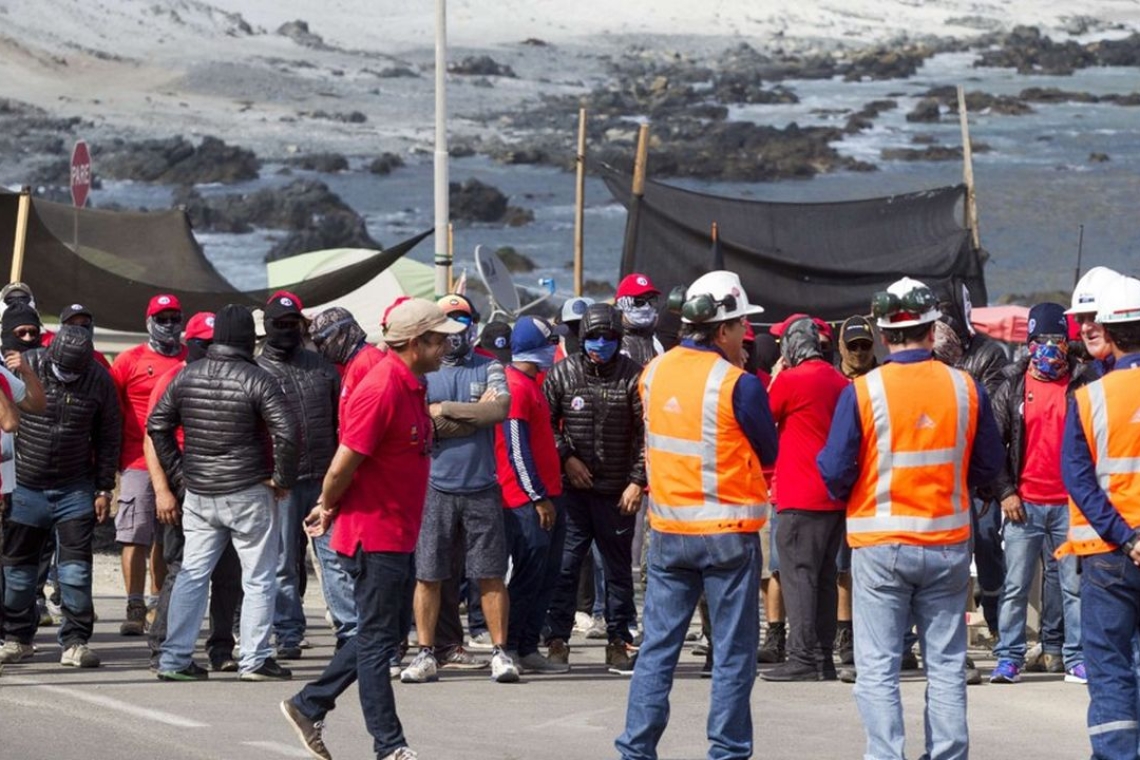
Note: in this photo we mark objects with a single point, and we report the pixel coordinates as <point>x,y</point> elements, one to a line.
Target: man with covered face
<point>598,428</point>
<point>312,389</point>
<point>636,299</point>
<point>66,459</point>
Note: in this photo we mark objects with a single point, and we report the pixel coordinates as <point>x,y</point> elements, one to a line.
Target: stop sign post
<point>80,174</point>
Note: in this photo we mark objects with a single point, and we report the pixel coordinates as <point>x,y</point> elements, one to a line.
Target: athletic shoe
<point>269,671</point>
<point>45,617</point>
<point>701,648</point>
<point>223,665</point>
<point>845,645</point>
<point>1034,660</point>
<point>79,656</point>
<point>597,629</point>
<point>848,674</point>
<point>192,672</point>
<point>909,660</point>
<point>1006,671</point>
<point>620,657</point>
<point>135,624</point>
<point>304,644</point>
<point>973,675</point>
<point>403,753</point>
<point>288,653</point>
<point>460,659</point>
<point>1077,674</point>
<point>503,668</point>
<point>308,731</point>
<point>481,642</point>
<point>423,669</point>
<point>1054,663</point>
<point>791,671</point>
<point>536,663</point>
<point>557,652</point>
<point>582,622</point>
<point>14,651</point>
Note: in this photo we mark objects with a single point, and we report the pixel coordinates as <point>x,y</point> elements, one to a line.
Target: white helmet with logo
<point>716,297</point>
<point>905,303</point>
<point>1089,289</point>
<point>1119,301</point>
<point>575,308</point>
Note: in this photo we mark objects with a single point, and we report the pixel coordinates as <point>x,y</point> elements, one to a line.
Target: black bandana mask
<point>19,316</point>
<point>165,339</point>
<point>285,338</point>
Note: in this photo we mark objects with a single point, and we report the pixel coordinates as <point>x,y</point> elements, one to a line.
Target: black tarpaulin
<point>825,259</point>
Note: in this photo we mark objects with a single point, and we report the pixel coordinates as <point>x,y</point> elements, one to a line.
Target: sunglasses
<point>607,335</point>
<point>26,332</point>
<point>643,301</point>
<point>286,324</point>
<point>860,345</point>
<point>175,320</point>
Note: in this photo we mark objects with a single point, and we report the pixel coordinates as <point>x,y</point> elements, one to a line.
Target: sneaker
<point>973,675</point>
<point>308,731</point>
<point>45,617</point>
<point>791,671</point>
<point>848,675</point>
<point>1006,671</point>
<point>845,645</point>
<point>55,609</point>
<point>597,629</point>
<point>423,669</point>
<point>403,753</point>
<point>1054,663</point>
<point>1077,674</point>
<point>460,659</point>
<point>536,663</point>
<point>192,672</point>
<point>1034,660</point>
<point>304,644</point>
<point>135,624</point>
<point>557,652</point>
<point>79,656</point>
<point>909,660</point>
<point>582,622</point>
<point>620,657</point>
<point>701,648</point>
<point>223,665</point>
<point>707,667</point>
<point>269,671</point>
<point>14,651</point>
<point>288,653</point>
<point>503,669</point>
<point>481,643</point>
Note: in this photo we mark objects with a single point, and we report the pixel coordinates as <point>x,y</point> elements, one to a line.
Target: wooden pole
<point>450,256</point>
<point>442,200</point>
<point>971,210</point>
<point>21,234</point>
<point>580,205</point>
<point>640,160</point>
<point>715,232</point>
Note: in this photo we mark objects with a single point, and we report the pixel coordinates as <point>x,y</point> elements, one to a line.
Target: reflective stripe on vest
<point>710,512</point>
<point>1106,466</point>
<point>888,461</point>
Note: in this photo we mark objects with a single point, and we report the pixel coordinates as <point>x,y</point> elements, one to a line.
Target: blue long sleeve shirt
<point>839,460</point>
<point>1078,472</point>
<point>750,406</point>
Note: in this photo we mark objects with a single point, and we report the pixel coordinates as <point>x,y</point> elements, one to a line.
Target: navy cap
<point>1047,319</point>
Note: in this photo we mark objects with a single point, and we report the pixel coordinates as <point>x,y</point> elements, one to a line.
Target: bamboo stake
<point>442,199</point>
<point>580,205</point>
<point>21,234</point>
<point>640,160</point>
<point>971,210</point>
<point>450,256</point>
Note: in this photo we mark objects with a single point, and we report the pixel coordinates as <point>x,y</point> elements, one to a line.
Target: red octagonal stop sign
<point>80,174</point>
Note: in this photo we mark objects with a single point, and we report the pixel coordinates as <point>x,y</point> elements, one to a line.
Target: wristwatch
<point>101,494</point>
<point>1131,543</point>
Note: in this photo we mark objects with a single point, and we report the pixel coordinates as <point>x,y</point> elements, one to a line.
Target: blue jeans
<point>35,514</point>
<point>891,584</point>
<point>248,518</point>
<point>381,582</point>
<point>289,611</point>
<point>985,532</point>
<point>337,586</point>
<point>536,556</point>
<point>727,568</point>
<point>1110,617</point>
<point>1045,526</point>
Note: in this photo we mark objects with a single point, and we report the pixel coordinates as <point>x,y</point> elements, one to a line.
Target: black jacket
<point>237,424</point>
<point>79,435</point>
<point>596,413</point>
<point>638,345</point>
<point>312,388</point>
<point>1009,413</point>
<point>985,361</point>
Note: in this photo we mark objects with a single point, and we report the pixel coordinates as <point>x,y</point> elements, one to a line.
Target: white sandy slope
<point>161,67</point>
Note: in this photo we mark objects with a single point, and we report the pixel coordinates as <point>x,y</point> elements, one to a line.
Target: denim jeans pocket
<point>877,566</point>
<point>728,550</point>
<point>1104,571</point>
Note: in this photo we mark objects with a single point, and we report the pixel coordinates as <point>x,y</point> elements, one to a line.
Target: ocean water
<point>1035,187</point>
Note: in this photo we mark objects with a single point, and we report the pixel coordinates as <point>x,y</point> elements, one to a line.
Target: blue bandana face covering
<point>600,350</point>
<point>1049,360</point>
<point>543,357</point>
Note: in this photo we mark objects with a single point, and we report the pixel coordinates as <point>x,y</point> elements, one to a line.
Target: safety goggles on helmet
<point>698,308</point>
<point>888,306</point>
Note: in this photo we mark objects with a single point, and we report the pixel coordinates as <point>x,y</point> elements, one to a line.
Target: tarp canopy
<point>1009,323</point>
<point>124,258</point>
<point>826,259</point>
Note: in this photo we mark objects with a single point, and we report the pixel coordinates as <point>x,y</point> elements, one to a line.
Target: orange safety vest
<point>1109,411</point>
<point>704,476</point>
<point>918,422</point>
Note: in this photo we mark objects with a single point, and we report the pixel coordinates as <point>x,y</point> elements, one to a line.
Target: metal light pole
<point>442,206</point>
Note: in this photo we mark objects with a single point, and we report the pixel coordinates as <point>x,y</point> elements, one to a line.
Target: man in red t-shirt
<point>1030,411</point>
<point>135,372</point>
<point>375,490</point>
<point>804,392</point>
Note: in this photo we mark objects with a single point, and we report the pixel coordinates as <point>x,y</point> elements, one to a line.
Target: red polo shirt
<point>535,459</point>
<point>352,373</point>
<point>386,419</point>
<point>160,386</point>
<point>135,372</point>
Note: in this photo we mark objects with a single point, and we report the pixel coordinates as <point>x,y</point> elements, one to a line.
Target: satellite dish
<point>493,272</point>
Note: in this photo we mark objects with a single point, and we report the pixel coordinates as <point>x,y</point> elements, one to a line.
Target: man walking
<point>907,442</point>
<point>708,433</point>
<point>240,455</point>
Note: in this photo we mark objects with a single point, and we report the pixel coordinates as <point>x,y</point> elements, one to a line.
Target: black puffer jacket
<point>596,413</point>
<point>1009,413</point>
<point>984,360</point>
<point>312,388</point>
<point>79,435</point>
<point>238,427</point>
<point>639,345</point>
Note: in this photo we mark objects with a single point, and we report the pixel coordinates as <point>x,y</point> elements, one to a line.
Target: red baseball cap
<point>824,328</point>
<point>634,285</point>
<point>286,294</point>
<point>163,302</point>
<point>201,326</point>
<point>749,333</point>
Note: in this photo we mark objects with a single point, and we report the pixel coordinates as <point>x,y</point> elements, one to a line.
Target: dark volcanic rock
<point>885,63</point>
<point>514,261</point>
<point>740,87</point>
<point>176,161</point>
<point>474,201</point>
<point>333,230</point>
<point>385,163</point>
<point>298,31</point>
<point>931,153</point>
<point>1028,51</point>
<point>977,102</point>
<point>927,111</point>
<point>864,118</point>
<point>480,66</point>
<point>1099,158</point>
<point>329,163</point>
<point>1055,95</point>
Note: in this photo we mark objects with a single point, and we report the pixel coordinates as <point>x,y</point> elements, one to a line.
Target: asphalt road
<point>121,712</point>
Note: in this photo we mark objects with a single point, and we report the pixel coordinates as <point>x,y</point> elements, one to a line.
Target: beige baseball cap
<point>409,318</point>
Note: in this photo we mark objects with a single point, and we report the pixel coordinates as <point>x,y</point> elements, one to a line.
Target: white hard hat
<point>575,308</point>
<point>912,303</point>
<point>1119,301</point>
<point>724,291</point>
<point>1089,288</point>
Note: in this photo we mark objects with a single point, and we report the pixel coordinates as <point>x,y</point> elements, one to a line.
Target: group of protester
<point>501,465</point>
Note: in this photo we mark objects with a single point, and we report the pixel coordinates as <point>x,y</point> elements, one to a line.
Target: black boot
<point>775,641</point>
<point>845,643</point>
